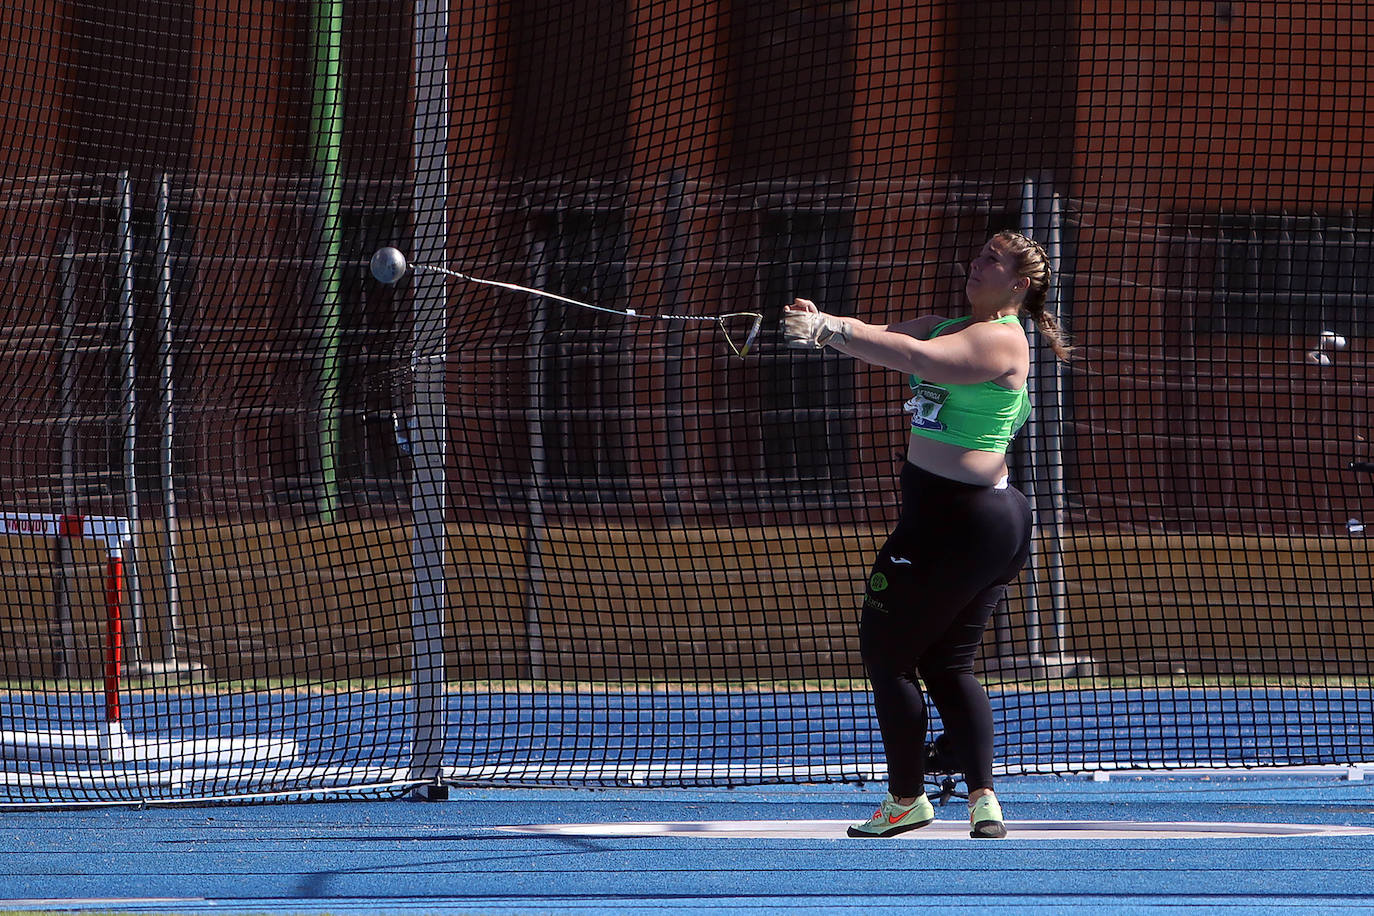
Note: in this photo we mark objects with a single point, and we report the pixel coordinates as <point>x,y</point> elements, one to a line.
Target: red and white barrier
<point>110,743</point>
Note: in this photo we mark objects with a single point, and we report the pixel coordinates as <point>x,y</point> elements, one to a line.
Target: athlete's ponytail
<point>1032,262</point>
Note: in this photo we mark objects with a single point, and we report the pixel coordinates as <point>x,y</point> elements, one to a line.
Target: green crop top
<point>983,417</point>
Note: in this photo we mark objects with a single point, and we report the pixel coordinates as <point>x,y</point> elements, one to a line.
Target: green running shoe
<point>985,819</point>
<point>891,818</point>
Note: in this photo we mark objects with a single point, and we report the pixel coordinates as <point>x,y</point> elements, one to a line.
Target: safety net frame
<point>382,537</point>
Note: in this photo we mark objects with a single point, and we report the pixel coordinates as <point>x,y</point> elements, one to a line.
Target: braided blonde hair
<point>1033,263</point>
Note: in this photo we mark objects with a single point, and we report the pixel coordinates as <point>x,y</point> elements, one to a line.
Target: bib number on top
<point>925,405</point>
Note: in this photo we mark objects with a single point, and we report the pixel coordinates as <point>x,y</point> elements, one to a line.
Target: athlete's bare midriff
<point>957,463</point>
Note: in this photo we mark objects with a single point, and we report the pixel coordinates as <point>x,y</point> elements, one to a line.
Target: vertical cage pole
<point>1035,463</point>
<point>171,637</point>
<point>1046,622</point>
<point>65,637</point>
<point>128,413</point>
<point>1053,430</point>
<point>429,359</point>
<point>539,464</point>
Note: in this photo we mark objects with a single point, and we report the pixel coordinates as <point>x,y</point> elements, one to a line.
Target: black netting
<point>274,527</point>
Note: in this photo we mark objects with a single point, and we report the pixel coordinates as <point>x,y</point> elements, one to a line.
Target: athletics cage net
<point>275,528</point>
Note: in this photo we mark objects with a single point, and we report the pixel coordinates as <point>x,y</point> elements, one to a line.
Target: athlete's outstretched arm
<point>981,353</point>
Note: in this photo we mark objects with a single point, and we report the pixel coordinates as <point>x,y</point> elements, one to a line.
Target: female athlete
<point>964,532</point>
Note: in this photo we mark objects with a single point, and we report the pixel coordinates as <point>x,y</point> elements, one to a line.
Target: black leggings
<point>933,587</point>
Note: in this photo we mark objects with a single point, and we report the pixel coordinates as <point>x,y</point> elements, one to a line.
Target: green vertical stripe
<point>326,137</point>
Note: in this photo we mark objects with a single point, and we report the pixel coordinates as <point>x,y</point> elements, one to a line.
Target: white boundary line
<point>857,771</point>
<point>62,903</point>
<point>943,830</point>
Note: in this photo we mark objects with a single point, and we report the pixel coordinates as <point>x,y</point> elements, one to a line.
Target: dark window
<point>585,381</point>
<point>1286,275</point>
<point>807,395</point>
<point>143,242</point>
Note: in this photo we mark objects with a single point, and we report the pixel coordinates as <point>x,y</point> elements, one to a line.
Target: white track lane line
<point>945,830</point>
